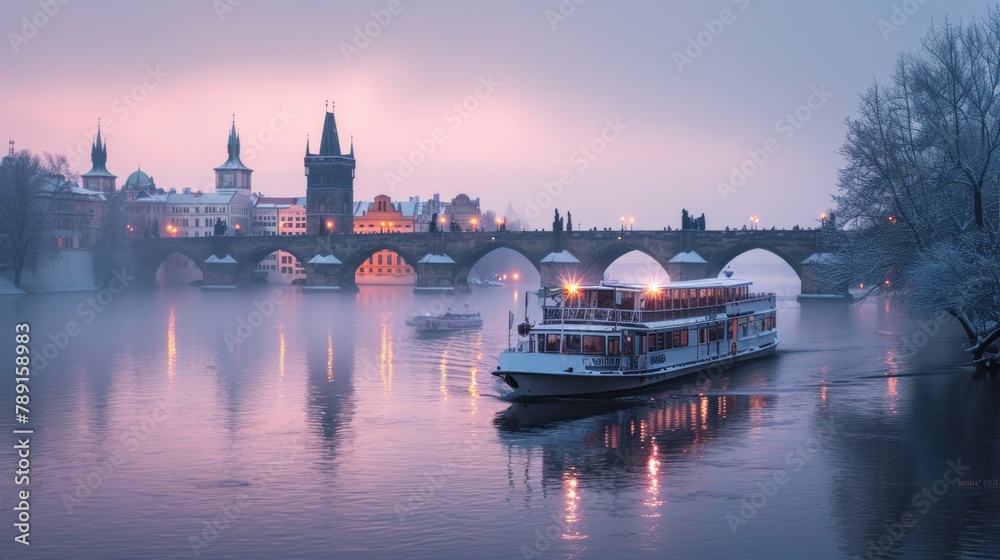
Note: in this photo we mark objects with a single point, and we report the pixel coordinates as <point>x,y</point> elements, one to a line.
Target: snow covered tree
<point>24,208</point>
<point>917,207</point>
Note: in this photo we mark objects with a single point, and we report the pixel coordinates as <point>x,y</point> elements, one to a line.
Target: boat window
<point>614,346</point>
<point>572,344</point>
<point>593,344</point>
<point>661,341</point>
<point>605,299</point>
<point>626,300</point>
<point>551,343</point>
<point>702,335</point>
<point>680,338</point>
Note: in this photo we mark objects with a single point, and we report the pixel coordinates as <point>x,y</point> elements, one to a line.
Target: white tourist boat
<point>446,321</point>
<point>611,339</point>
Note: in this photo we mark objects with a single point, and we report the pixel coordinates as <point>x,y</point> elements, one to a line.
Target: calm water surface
<point>331,430</point>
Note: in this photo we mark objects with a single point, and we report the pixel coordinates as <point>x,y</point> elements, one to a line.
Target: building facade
<point>280,216</point>
<point>382,216</point>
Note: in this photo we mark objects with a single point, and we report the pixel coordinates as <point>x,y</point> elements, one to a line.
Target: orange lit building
<point>382,216</point>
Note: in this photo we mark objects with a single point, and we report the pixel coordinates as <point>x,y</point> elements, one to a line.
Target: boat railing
<point>555,314</point>
<point>736,307</point>
<point>558,314</point>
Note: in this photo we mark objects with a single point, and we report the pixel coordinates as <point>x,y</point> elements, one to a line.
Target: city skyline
<point>492,101</point>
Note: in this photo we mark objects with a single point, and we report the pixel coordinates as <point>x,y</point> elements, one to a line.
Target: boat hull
<point>434,324</point>
<point>536,385</point>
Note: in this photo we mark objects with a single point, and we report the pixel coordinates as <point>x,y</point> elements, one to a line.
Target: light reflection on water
<point>340,432</point>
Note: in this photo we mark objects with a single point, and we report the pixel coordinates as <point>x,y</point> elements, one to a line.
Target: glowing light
<point>329,356</point>
<point>329,225</point>
<point>386,355</point>
<point>281,351</point>
<point>572,289</point>
<point>171,343</point>
<point>516,276</point>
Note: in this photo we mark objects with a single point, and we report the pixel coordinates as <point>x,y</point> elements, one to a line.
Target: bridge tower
<point>329,184</point>
<point>98,178</point>
<point>233,175</point>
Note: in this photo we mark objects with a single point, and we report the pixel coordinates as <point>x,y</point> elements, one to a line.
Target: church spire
<point>233,146</point>
<point>330,142</point>
<point>352,146</point>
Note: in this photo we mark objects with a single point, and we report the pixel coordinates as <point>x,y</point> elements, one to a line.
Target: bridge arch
<point>250,260</point>
<point>165,268</point>
<point>467,262</point>
<point>773,273</point>
<point>720,260</point>
<point>605,257</point>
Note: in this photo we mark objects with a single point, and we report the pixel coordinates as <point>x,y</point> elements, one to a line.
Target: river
<point>272,423</point>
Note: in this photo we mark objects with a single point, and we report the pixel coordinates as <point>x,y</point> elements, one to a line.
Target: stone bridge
<point>442,260</point>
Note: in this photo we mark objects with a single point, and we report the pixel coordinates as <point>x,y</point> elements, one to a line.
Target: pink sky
<point>556,89</point>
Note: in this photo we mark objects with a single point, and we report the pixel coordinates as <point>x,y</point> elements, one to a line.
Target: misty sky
<point>501,96</point>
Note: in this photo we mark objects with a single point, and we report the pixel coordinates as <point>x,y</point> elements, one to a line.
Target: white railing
<point>555,314</point>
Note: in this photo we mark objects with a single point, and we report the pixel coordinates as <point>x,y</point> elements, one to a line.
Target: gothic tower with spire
<point>329,184</point>
<point>233,175</point>
<point>98,178</point>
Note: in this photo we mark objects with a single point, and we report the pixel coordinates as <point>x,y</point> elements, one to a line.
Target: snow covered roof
<point>820,258</point>
<point>200,198</point>
<point>431,258</point>
<point>228,259</point>
<point>688,257</point>
<point>324,259</point>
<point>563,256</point>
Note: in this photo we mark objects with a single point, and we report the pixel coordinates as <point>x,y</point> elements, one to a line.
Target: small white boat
<point>613,339</point>
<point>447,321</point>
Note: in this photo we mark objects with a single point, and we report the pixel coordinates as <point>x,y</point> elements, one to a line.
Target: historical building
<point>329,184</point>
<point>382,216</point>
<point>99,179</point>
<point>464,213</point>
<point>280,216</point>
